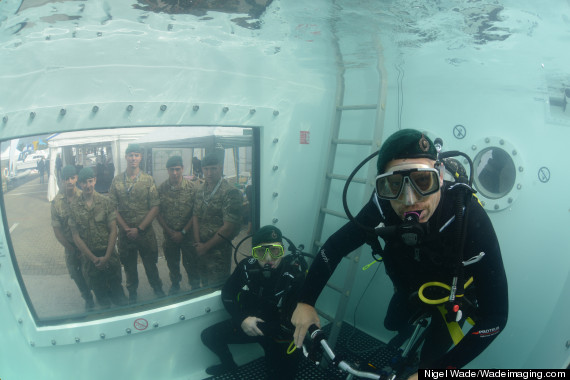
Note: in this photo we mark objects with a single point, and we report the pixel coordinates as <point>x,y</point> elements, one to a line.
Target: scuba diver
<point>437,238</point>
<point>260,296</point>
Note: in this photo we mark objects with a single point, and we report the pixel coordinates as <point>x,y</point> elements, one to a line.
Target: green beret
<point>406,143</point>
<point>85,174</point>
<point>211,159</point>
<point>68,172</point>
<point>174,161</point>
<point>136,148</point>
<point>266,234</point>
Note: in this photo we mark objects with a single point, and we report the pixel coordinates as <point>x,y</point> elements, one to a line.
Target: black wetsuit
<point>248,293</point>
<point>410,267</point>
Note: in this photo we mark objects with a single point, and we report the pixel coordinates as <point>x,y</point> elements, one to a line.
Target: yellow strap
<point>441,285</point>
<point>453,327</point>
<point>291,348</point>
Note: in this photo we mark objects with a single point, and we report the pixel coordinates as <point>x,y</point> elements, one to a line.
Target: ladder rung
<point>325,315</point>
<point>334,287</point>
<point>357,107</point>
<point>352,142</point>
<point>333,212</point>
<point>344,178</point>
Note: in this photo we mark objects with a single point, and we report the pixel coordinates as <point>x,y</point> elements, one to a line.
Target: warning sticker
<point>304,137</point>
<point>140,324</point>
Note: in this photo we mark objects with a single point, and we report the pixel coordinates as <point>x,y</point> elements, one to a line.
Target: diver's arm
<point>491,291</point>
<point>230,294</point>
<point>341,243</point>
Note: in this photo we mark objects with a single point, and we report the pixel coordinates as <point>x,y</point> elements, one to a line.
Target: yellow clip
<point>369,265</point>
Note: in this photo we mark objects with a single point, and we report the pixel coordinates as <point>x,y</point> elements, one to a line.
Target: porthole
<point>495,173</point>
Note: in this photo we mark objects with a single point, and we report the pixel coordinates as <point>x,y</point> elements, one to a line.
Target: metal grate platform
<point>354,346</point>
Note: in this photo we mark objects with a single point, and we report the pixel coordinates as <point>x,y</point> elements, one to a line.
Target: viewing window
<point>495,172</point>
<point>59,281</point>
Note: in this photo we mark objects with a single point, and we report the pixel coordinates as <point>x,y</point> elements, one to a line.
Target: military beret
<point>211,159</point>
<point>266,234</point>
<point>85,174</point>
<point>68,171</point>
<point>406,143</point>
<point>174,161</point>
<point>136,148</point>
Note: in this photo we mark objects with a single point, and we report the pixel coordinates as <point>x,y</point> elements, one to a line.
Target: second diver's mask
<point>260,252</point>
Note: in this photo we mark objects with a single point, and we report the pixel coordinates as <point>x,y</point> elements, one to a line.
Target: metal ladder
<point>324,209</point>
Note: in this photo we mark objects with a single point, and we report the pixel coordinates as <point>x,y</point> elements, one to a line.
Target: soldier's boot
<point>89,302</point>
<point>175,288</point>
<point>159,292</point>
<point>132,296</point>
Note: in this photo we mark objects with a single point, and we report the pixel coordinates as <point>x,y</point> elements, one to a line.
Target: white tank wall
<point>498,91</point>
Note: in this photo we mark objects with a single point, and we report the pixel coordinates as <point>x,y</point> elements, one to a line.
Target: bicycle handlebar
<point>318,337</point>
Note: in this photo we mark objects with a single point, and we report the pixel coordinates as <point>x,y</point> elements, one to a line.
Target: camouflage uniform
<point>212,211</point>
<point>133,200</point>
<point>176,206</point>
<point>60,211</point>
<point>92,226</point>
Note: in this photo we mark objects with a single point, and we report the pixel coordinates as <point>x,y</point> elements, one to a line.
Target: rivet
<point>95,109</point>
<point>510,200</point>
<point>514,153</point>
<point>129,108</point>
<point>48,38</point>
<point>275,140</point>
<point>208,310</point>
<point>32,115</point>
<point>155,324</point>
<point>496,207</point>
<point>77,340</point>
<point>182,317</point>
<point>275,195</point>
<point>252,111</point>
<point>521,169</point>
<point>196,108</point>
<point>53,342</point>
<point>225,109</point>
<point>275,113</point>
<point>5,119</point>
<point>128,331</point>
<point>8,294</point>
<point>102,335</point>
<point>170,26</point>
<point>487,140</point>
<point>275,220</point>
<point>473,147</point>
<point>20,321</point>
<point>502,142</point>
<point>519,186</point>
<point>163,107</point>
<point>32,343</point>
<point>568,344</point>
<point>275,167</point>
<point>62,111</point>
<point>99,34</point>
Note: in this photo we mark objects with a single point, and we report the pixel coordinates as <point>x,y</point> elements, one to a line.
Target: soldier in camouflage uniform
<point>94,229</point>
<point>135,196</point>
<point>175,216</point>
<point>217,212</point>
<point>60,209</point>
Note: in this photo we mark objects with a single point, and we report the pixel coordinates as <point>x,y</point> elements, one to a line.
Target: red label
<point>140,324</point>
<point>304,137</point>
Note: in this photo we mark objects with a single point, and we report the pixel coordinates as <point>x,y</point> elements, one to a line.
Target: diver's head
<point>407,175</point>
<point>212,168</point>
<point>267,248</point>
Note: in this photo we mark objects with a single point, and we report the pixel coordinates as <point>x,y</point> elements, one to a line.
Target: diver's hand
<point>413,377</point>
<point>303,317</point>
<point>249,326</point>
